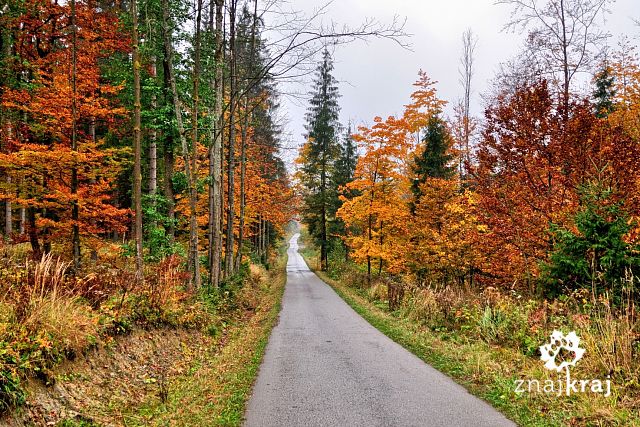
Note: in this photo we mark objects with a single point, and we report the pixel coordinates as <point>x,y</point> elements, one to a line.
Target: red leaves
<point>532,161</point>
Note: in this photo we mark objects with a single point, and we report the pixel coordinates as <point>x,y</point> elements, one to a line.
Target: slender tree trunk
<point>265,241</point>
<point>223,136</point>
<point>466,76</point>
<point>228,267</point>
<point>243,171</point>
<point>75,230</point>
<point>258,248</point>
<point>92,135</point>
<point>243,148</point>
<point>565,67</point>
<point>92,129</point>
<point>323,213</point>
<point>8,208</point>
<point>193,253</point>
<point>33,234</point>
<point>380,243</point>
<point>369,238</point>
<point>215,156</point>
<point>370,221</point>
<point>153,140</point>
<point>168,156</point>
<point>23,220</point>
<point>137,143</point>
<point>8,214</point>
<point>194,145</point>
<point>7,132</point>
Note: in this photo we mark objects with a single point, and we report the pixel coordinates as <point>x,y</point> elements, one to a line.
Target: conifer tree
<point>320,155</point>
<point>344,173</point>
<point>434,161</point>
<point>604,93</point>
<point>346,162</point>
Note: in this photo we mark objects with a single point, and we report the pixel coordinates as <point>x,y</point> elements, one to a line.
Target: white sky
<point>376,77</point>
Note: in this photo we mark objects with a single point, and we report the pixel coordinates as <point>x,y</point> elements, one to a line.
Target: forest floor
<point>487,370</point>
<point>167,375</point>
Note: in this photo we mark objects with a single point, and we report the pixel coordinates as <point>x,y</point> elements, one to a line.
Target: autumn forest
<point>147,188</point>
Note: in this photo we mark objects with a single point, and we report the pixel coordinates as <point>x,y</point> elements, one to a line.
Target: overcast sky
<point>376,77</point>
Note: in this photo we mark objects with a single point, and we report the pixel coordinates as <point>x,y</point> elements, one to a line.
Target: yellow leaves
<point>443,228</point>
<point>44,343</point>
<point>425,103</point>
<point>378,219</point>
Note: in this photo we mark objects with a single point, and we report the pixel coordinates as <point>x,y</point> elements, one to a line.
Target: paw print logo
<point>569,343</point>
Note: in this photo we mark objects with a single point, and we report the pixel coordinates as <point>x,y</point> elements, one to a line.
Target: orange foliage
<point>378,217</point>
<point>38,155</point>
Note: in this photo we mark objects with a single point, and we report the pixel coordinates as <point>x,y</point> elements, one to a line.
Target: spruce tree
<point>346,163</point>
<point>322,151</point>
<point>434,161</point>
<point>604,92</point>
<point>344,173</point>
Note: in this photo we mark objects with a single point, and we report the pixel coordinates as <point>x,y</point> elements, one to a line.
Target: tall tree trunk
<point>466,76</point>
<point>137,143</point>
<point>267,242</point>
<point>323,211</point>
<point>194,146</point>
<point>23,220</point>
<point>215,151</point>
<point>92,135</point>
<point>369,238</point>
<point>228,263</point>
<point>168,155</point>
<point>7,132</point>
<point>243,171</point>
<point>380,243</point>
<point>8,214</point>
<point>33,234</point>
<point>259,238</point>
<point>565,65</point>
<point>245,126</point>
<point>177,106</point>
<point>215,156</point>
<point>153,140</point>
<point>75,229</point>
<point>370,221</point>
<point>167,185</point>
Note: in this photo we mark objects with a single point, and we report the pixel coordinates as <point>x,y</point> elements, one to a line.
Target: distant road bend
<point>326,366</point>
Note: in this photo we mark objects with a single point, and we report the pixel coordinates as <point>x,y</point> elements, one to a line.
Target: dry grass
<point>612,335</point>
<point>52,312</point>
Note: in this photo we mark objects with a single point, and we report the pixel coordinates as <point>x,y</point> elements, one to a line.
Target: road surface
<point>326,366</point>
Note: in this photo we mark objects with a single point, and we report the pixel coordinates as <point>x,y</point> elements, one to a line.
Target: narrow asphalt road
<point>326,366</point>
